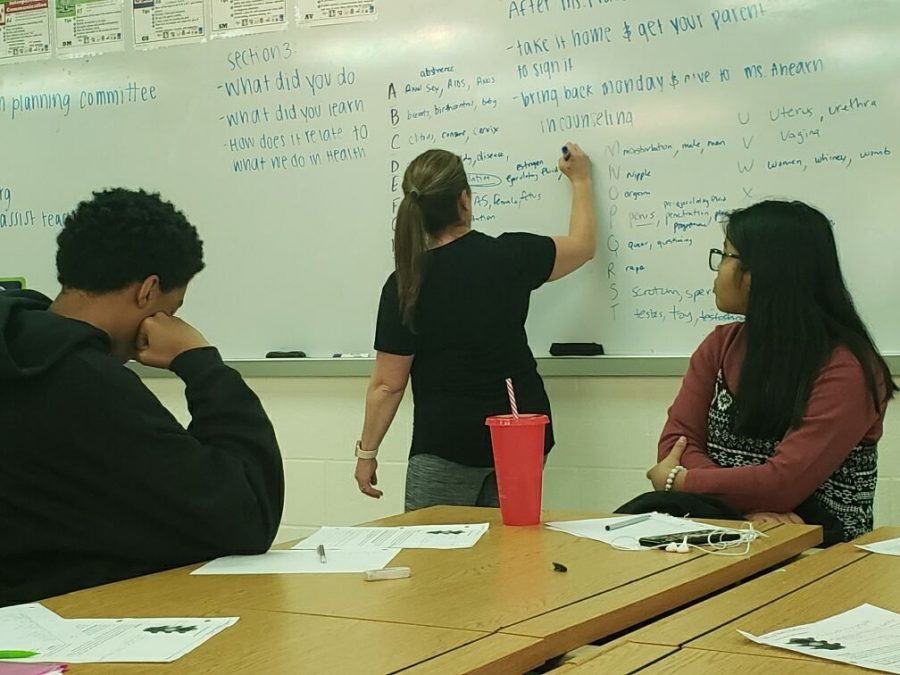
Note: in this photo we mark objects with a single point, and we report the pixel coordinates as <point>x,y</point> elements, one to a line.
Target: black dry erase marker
<point>565,151</point>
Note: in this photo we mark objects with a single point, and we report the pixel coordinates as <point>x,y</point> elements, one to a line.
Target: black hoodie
<point>99,482</point>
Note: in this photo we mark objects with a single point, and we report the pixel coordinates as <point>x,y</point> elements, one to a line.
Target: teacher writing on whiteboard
<point>452,314</point>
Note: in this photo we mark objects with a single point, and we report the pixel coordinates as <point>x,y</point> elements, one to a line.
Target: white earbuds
<point>738,538</point>
<point>683,547</point>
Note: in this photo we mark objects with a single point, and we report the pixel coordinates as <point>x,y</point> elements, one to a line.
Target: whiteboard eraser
<point>576,349</point>
<point>387,573</point>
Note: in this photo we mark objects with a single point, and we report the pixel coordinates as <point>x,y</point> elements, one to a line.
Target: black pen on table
<point>320,549</point>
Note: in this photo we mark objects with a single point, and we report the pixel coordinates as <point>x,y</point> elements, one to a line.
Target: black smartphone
<point>697,537</point>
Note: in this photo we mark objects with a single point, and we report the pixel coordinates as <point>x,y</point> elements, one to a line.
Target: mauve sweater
<point>839,415</point>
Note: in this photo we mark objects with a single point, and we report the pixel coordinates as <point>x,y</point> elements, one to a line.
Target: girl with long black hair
<point>779,416</point>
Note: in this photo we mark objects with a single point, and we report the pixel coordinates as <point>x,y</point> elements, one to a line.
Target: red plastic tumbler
<point>518,443</point>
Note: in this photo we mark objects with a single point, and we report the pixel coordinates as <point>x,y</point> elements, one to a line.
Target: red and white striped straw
<point>512,398</point>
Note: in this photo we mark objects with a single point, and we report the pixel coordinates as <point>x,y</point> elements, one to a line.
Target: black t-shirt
<point>469,337</point>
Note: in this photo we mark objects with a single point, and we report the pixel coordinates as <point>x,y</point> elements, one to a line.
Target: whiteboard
<point>286,150</point>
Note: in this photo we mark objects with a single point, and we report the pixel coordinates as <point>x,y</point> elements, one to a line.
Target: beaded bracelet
<point>670,479</point>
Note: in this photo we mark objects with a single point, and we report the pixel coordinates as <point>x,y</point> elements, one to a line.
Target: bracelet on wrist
<point>670,479</point>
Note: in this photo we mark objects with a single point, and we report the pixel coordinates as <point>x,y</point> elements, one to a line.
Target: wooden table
<point>872,578</point>
<point>621,657</point>
<point>701,618</point>
<point>811,588</point>
<point>702,662</point>
<point>498,607</point>
<point>273,642</point>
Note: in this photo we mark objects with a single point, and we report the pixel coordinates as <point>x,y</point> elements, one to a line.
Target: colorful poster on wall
<point>247,16</point>
<point>160,23</point>
<point>24,30</point>
<point>89,26</point>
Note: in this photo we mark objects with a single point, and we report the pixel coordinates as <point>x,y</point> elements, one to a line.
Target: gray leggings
<point>433,480</point>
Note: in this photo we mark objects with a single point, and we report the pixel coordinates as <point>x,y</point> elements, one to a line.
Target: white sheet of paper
<point>887,547</point>
<point>117,640</point>
<point>627,537</point>
<point>143,640</point>
<point>299,562</point>
<point>410,536</point>
<point>35,628</point>
<point>866,636</point>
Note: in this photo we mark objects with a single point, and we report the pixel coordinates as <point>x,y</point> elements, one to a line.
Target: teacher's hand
<point>366,477</point>
<point>660,471</point>
<point>576,165</point>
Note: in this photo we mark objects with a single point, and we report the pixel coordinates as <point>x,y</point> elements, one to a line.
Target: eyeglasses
<point>716,256</point>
